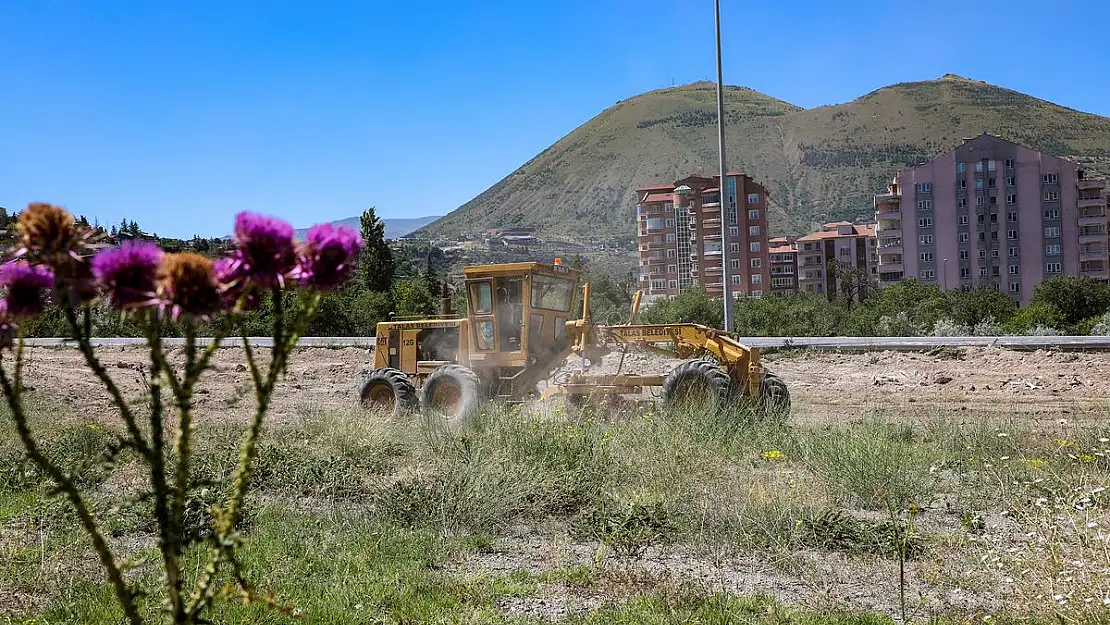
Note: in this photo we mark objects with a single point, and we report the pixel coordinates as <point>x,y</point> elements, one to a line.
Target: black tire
<point>451,394</point>
<point>388,390</point>
<point>774,397</point>
<point>698,382</point>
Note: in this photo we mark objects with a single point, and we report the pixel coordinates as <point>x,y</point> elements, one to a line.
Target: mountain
<point>820,164</point>
<point>394,228</point>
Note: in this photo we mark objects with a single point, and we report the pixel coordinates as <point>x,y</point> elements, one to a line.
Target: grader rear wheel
<point>698,385</point>
<point>451,394</point>
<point>388,391</point>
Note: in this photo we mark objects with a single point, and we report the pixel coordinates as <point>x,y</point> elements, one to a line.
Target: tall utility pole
<point>725,290</point>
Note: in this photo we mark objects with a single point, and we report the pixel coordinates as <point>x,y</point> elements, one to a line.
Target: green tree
<point>692,306</point>
<point>431,278</point>
<point>1073,298</point>
<point>5,221</point>
<point>375,263</point>
<point>970,307</point>
<point>412,299</point>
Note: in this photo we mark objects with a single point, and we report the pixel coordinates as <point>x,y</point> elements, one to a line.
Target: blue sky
<point>179,114</point>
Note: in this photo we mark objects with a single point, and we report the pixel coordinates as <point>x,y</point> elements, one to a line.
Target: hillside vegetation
<point>819,164</point>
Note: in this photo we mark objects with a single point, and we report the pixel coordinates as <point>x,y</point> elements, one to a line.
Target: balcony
<point>712,222</point>
<point>657,261</point>
<point>806,279</point>
<point>889,225</point>
<point>715,270</point>
<point>1091,202</point>
<point>1091,236</point>
<point>1087,184</point>
<point>659,245</point>
<point>889,214</point>
<point>891,273</point>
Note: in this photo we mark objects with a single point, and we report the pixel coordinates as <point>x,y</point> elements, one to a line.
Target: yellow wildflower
<point>773,454</point>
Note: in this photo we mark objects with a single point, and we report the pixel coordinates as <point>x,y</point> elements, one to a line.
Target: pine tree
<point>375,263</point>
<point>431,279</point>
<point>5,221</point>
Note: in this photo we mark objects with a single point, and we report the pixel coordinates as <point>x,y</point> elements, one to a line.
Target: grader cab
<point>523,321</point>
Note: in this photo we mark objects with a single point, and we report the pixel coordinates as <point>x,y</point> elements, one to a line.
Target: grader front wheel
<point>774,397</point>
<point>698,385</point>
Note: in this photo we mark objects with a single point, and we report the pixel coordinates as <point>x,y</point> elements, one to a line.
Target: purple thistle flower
<point>129,273</point>
<point>232,285</point>
<point>26,286</point>
<point>328,256</point>
<point>266,251</point>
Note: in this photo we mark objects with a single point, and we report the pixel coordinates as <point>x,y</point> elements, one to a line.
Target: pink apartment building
<point>679,236</point>
<point>991,212</point>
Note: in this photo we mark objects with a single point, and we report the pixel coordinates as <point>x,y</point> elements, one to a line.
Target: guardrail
<point>823,343</point>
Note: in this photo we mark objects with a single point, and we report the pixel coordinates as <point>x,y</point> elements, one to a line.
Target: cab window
<point>551,293</point>
<point>481,298</point>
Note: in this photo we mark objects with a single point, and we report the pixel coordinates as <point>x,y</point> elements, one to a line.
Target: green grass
<point>360,521</point>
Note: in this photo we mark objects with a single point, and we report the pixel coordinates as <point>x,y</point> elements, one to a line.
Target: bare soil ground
<point>823,385</point>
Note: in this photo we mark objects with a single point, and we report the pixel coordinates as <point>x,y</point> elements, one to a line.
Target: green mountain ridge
<point>819,164</point>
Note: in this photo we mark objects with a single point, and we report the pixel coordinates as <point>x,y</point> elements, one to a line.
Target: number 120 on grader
<point>523,321</point>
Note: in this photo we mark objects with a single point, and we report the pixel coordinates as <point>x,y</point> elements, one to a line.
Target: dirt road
<point>825,386</point>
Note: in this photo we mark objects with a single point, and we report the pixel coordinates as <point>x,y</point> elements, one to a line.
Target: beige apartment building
<point>680,242</point>
<point>836,245</point>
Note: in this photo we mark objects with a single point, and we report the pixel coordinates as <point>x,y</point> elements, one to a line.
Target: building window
<point>961,202</point>
<point>845,252</point>
<point>711,198</point>
<point>1052,233</point>
<point>753,246</point>
<point>994,235</point>
<point>928,274</point>
<point>734,263</point>
<point>1053,268</point>
<point>979,201</point>
<point>712,247</point>
<point>1013,252</point>
<point>991,183</point>
<point>757,278</point>
<point>994,252</point>
<point>982,236</point>
<point>924,187</point>
<point>926,257</point>
<point>1011,216</point>
<point>994,201</point>
<point>963,220</point>
<point>1015,287</point>
<point>926,239</point>
<point>1012,235</point>
<point>1010,181</point>
<point>672,269</point>
<point>965,272</point>
<point>982,272</point>
<point>670,238</point>
<point>964,255</point>
<point>734,231</point>
<point>964,237</point>
<point>925,222</point>
<point>734,248</point>
<point>925,205</point>
<point>979,184</point>
<point>1052,213</point>
<point>757,263</point>
<point>1050,178</point>
<point>1014,270</point>
<point>734,279</point>
<point>753,215</point>
<point>1009,163</point>
<point>671,253</point>
<point>753,198</point>
<point>668,207</point>
<point>962,184</point>
<point>673,284</point>
<point>669,223</point>
<point>1052,250</point>
<point>1052,196</point>
<point>961,168</point>
<point>753,231</point>
<point>982,254</point>
<point>658,285</point>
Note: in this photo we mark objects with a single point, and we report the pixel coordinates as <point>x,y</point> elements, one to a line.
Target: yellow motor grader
<point>523,321</point>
